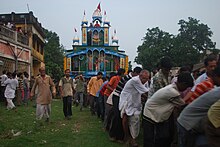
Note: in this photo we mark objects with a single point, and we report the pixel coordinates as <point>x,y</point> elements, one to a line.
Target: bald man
<point>130,105</point>
<point>44,96</point>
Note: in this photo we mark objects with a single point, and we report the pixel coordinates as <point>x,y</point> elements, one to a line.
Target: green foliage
<point>53,55</point>
<point>196,34</point>
<point>156,44</point>
<point>192,42</point>
<point>189,46</point>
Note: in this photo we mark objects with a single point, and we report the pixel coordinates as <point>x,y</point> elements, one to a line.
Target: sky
<point>130,18</point>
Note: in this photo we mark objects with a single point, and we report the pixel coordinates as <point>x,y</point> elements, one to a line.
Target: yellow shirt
<point>94,85</point>
<point>214,114</point>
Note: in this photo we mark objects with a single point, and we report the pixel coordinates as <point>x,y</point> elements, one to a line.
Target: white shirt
<point>200,79</point>
<point>130,98</point>
<point>11,85</point>
<point>160,106</point>
<point>3,79</point>
<point>74,83</point>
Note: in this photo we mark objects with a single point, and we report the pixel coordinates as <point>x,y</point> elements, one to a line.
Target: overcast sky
<point>130,18</point>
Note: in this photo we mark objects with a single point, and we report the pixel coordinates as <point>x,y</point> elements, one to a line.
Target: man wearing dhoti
<point>45,84</point>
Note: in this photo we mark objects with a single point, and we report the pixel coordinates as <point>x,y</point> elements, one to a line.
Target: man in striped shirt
<point>210,63</point>
<point>205,86</point>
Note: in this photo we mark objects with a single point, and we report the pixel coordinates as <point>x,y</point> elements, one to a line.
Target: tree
<point>188,47</point>
<point>192,42</point>
<point>156,44</point>
<point>53,55</point>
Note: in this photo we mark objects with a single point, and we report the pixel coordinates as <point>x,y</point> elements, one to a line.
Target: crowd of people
<point>182,110</point>
<point>15,85</point>
<point>12,26</point>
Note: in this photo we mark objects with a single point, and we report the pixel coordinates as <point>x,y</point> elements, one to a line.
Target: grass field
<point>20,129</point>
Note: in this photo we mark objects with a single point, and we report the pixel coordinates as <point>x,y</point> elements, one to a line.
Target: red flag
<point>75,29</point>
<point>99,7</point>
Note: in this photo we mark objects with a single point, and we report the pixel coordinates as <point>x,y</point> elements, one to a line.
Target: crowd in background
<point>15,87</point>
<point>180,110</point>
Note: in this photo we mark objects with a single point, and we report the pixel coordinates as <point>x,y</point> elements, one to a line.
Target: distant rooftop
<point>22,18</point>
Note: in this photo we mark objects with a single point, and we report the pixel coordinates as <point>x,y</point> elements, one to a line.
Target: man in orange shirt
<point>92,88</point>
<point>112,84</point>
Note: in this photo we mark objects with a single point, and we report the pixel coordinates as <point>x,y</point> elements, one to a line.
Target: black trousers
<point>94,107</point>
<point>2,93</point>
<point>115,129</point>
<point>67,106</point>
<point>157,134</point>
<point>212,133</point>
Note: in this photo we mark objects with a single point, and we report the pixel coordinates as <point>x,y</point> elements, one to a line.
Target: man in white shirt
<point>157,115</point>
<point>66,87</point>
<point>130,103</point>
